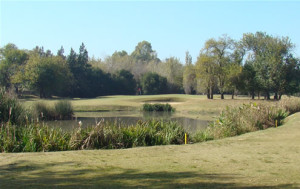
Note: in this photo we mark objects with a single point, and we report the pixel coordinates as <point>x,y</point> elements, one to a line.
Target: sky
<point>172,27</point>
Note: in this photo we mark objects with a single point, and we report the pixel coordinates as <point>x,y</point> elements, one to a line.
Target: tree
<point>172,69</point>
<point>269,55</point>
<point>152,83</point>
<point>80,69</point>
<point>11,62</point>
<point>189,75</point>
<point>61,52</point>
<point>126,83</point>
<point>143,52</point>
<point>48,75</point>
<point>220,52</point>
<point>206,72</point>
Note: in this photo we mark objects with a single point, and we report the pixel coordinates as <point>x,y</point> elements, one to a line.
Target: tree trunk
<point>211,93</point>
<point>280,96</point>
<point>252,95</point>
<point>208,94</point>
<point>276,96</point>
<point>222,95</point>
<point>267,95</point>
<point>232,96</point>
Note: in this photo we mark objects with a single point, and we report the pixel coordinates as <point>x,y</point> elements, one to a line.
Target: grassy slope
<point>266,159</point>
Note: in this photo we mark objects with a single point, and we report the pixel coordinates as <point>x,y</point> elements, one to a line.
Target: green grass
<point>262,159</point>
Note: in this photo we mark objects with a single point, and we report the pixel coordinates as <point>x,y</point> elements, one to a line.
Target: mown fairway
<point>263,159</point>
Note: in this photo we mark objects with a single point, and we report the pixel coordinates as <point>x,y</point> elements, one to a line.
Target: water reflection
<point>128,118</point>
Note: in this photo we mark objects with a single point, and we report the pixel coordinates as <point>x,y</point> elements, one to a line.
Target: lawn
<point>263,159</point>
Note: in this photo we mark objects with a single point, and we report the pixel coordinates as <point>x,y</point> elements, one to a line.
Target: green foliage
<point>158,108</point>
<point>12,60</point>
<point>11,109</point>
<point>104,135</point>
<point>247,118</point>
<point>126,82</point>
<point>189,79</point>
<point>47,75</point>
<point>32,138</point>
<point>172,70</point>
<point>152,83</point>
<point>61,110</point>
<point>143,52</point>
<point>214,63</point>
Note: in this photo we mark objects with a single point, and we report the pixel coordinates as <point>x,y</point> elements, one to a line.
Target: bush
<point>152,83</point>
<point>11,109</point>
<point>43,111</point>
<point>62,110</point>
<point>158,108</point>
<point>239,120</point>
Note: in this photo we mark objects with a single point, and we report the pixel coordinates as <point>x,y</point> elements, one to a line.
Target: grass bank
<point>262,159</point>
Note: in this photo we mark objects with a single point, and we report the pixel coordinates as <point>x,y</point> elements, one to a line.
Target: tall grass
<point>247,118</point>
<point>11,109</point>
<point>61,110</point>
<point>105,135</point>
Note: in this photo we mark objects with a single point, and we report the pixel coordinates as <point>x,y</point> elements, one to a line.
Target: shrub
<point>43,111</point>
<point>158,108</point>
<point>62,110</point>
<point>11,109</point>
<point>239,120</point>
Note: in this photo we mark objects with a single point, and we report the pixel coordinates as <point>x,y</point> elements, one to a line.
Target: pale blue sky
<point>172,27</point>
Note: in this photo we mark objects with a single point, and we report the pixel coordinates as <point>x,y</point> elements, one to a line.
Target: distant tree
<point>152,83</point>
<point>61,52</point>
<point>126,83</point>
<point>172,69</point>
<point>80,69</point>
<point>206,72</point>
<point>48,75</point>
<point>219,52</point>
<point>269,55</point>
<point>189,75</point>
<point>11,62</point>
<point>143,52</point>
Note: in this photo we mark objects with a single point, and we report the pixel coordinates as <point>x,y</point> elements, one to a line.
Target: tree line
<point>258,64</point>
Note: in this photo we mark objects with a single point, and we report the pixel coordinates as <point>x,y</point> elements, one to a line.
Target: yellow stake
<point>276,123</point>
<point>184,138</point>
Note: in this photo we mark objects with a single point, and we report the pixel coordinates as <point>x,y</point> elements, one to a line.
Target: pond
<point>128,118</point>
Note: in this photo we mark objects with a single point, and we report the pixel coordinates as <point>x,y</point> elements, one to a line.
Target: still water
<point>128,118</point>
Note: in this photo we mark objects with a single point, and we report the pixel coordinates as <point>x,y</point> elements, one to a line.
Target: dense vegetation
<point>158,108</point>
<point>257,64</point>
<point>251,117</point>
<point>105,135</point>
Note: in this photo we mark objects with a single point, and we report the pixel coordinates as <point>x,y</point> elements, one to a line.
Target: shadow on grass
<point>24,174</point>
